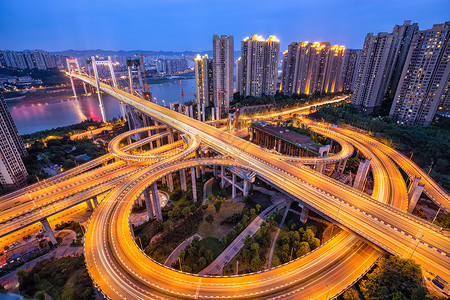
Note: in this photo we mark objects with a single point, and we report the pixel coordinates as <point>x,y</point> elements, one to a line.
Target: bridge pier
<point>222,177</point>
<point>415,196</point>
<point>194,184</point>
<point>148,204</point>
<point>202,155</point>
<point>89,204</point>
<point>94,199</point>
<point>156,203</point>
<point>213,115</point>
<point>363,169</point>
<point>304,214</point>
<point>246,187</point>
<point>233,185</point>
<point>412,186</point>
<point>170,182</point>
<point>216,171</point>
<point>341,166</point>
<point>183,179</point>
<point>100,101</point>
<point>48,230</point>
<point>197,168</point>
<point>73,87</point>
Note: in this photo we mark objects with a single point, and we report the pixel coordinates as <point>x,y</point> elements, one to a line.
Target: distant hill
<point>130,53</point>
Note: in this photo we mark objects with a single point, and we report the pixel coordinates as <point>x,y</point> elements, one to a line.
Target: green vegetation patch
<point>61,278</point>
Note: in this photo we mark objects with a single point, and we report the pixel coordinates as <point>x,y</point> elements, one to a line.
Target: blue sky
<point>179,25</point>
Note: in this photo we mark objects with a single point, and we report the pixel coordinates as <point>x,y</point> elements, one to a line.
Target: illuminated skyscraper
<point>204,79</point>
<point>258,66</point>
<point>349,68</point>
<point>310,68</point>
<point>424,82</point>
<point>382,59</point>
<point>223,67</point>
<point>12,170</point>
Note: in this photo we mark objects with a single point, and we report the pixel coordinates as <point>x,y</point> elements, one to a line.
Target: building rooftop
<point>287,135</point>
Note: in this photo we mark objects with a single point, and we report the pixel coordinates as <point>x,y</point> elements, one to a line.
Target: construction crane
<point>146,92</point>
<point>182,93</point>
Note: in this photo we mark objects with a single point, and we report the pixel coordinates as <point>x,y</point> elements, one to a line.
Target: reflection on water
<point>32,116</point>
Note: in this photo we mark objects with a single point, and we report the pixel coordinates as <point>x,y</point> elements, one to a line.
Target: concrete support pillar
<point>213,114</point>
<point>94,199</point>
<point>183,179</point>
<point>415,197</point>
<point>341,166</point>
<point>222,176</point>
<point>194,184</point>
<point>412,186</point>
<point>320,168</point>
<point>199,113</point>
<point>251,134</point>
<point>180,108</point>
<point>48,230</point>
<point>191,111</point>
<point>217,113</point>
<point>100,101</point>
<point>89,204</point>
<point>363,169</point>
<point>304,214</point>
<point>233,186</point>
<point>170,182</point>
<point>156,203</point>
<point>216,171</point>
<point>171,136</point>
<point>148,204</point>
<point>73,87</point>
<point>186,111</point>
<point>246,187</point>
<point>202,155</point>
<point>197,168</point>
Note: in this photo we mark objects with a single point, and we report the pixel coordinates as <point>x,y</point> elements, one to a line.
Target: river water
<point>47,113</point>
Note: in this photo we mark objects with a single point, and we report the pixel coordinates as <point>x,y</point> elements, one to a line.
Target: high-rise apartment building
<point>223,67</point>
<point>381,61</point>
<point>310,68</point>
<point>424,82</point>
<point>349,68</point>
<point>12,170</point>
<point>333,69</point>
<point>258,66</point>
<point>204,79</point>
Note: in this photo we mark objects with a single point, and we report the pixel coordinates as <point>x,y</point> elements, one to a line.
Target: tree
<point>218,205</point>
<point>302,249</point>
<point>351,294</point>
<point>209,218</point>
<point>258,207</point>
<point>394,278</point>
<point>202,262</point>
<point>186,212</point>
<point>209,255</point>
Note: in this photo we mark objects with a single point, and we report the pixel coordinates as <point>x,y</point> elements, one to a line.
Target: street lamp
<point>416,247</point>
<point>290,257</point>
<point>237,267</point>
<point>326,298</point>
<point>179,260</point>
<point>337,215</point>
<point>434,219</point>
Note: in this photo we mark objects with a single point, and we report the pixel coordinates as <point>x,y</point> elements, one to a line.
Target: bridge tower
<point>107,63</point>
<point>72,64</point>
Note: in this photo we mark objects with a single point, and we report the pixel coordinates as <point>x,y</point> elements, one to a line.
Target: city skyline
<point>122,29</point>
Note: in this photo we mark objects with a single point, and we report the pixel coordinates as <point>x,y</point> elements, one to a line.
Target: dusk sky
<point>179,25</point>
